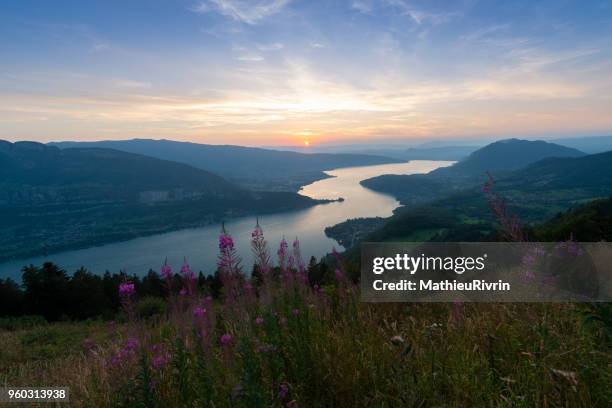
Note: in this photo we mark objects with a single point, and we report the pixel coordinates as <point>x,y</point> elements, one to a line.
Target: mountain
<point>507,155</point>
<point>399,152</point>
<point>498,158</point>
<point>33,173</point>
<point>256,168</point>
<point>588,172</point>
<point>55,199</point>
<point>552,199</point>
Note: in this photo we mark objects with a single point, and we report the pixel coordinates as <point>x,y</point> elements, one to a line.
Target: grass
<point>334,351</point>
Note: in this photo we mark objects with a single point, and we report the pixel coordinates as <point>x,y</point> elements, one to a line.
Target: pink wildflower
<point>283,391</point>
<point>226,340</point>
<point>126,289</point>
<point>259,320</point>
<point>131,344</point>
<point>199,312</point>
<point>160,362</point>
<point>166,271</point>
<point>259,247</point>
<point>282,254</point>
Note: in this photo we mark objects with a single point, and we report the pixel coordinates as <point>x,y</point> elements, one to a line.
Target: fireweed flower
<point>131,344</point>
<point>226,340</point>
<point>295,312</point>
<point>259,320</point>
<point>283,391</point>
<point>199,312</point>
<point>183,292</point>
<point>229,268</point>
<point>511,226</point>
<point>282,255</point>
<point>166,271</point>
<point>159,362</point>
<point>189,278</point>
<point>259,247</point>
<point>126,289</point>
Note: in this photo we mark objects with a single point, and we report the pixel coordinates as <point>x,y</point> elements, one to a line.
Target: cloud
<point>420,16</point>
<point>270,47</point>
<point>362,6</point>
<point>248,12</point>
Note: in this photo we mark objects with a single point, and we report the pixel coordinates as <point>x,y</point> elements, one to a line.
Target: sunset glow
<point>222,71</point>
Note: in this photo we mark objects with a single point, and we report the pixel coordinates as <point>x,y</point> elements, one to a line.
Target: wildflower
<point>199,312</point>
<point>131,344</point>
<point>282,254</point>
<point>259,247</point>
<point>295,312</point>
<point>183,292</point>
<point>126,289</point>
<point>290,262</point>
<point>259,320</point>
<point>159,362</point>
<point>166,271</point>
<point>316,287</point>
<point>229,261</point>
<point>283,391</point>
<point>226,339</point>
<point>186,271</point>
<point>226,242</point>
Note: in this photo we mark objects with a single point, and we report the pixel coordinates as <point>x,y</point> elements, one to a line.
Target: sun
<point>306,143</point>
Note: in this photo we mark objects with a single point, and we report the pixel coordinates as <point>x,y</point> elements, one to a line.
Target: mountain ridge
<point>252,167</point>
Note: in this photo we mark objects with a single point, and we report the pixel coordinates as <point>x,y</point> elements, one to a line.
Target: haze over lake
<point>199,245</point>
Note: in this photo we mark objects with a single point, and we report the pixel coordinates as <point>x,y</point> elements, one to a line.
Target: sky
<point>284,72</point>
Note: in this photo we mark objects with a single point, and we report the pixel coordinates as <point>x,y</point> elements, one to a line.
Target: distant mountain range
<point>398,152</point>
<point>53,199</point>
<point>534,194</point>
<point>255,168</point>
<point>499,158</point>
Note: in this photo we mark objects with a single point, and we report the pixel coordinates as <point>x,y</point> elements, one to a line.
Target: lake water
<point>199,245</point>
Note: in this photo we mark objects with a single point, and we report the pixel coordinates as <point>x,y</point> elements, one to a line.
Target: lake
<point>199,245</point>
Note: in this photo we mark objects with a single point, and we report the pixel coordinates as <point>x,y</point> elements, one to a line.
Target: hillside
<point>33,174</point>
<point>54,199</point>
<point>255,168</point>
<point>507,155</point>
<point>591,222</point>
<point>549,189</point>
<point>499,158</point>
